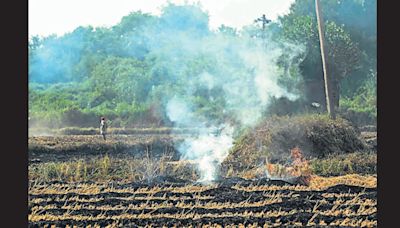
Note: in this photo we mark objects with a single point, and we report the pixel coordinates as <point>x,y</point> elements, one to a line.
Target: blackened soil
<point>222,204</point>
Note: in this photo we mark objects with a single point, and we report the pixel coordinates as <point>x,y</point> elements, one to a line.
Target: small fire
<point>299,168</point>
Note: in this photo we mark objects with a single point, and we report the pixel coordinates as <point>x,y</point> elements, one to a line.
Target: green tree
<point>119,79</point>
<point>358,19</point>
<point>344,54</point>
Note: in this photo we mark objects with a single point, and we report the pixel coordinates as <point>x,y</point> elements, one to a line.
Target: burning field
<point>191,180</point>
<point>230,202</point>
<point>162,120</point>
<point>114,192</point>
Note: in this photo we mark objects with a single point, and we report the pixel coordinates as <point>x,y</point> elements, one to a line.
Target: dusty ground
<point>65,147</point>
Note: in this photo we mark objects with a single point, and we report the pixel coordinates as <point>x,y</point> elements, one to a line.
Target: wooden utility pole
<point>328,88</point>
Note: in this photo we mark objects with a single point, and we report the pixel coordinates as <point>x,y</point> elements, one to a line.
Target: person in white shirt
<point>103,127</point>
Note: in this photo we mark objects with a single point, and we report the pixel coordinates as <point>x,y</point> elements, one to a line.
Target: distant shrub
<point>361,108</point>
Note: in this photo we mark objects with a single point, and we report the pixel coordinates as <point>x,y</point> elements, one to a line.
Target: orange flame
<point>298,168</point>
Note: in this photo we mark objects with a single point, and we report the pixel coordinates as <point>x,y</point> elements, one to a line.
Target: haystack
<point>316,135</point>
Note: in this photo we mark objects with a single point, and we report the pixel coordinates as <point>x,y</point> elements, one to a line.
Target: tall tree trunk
<point>328,84</point>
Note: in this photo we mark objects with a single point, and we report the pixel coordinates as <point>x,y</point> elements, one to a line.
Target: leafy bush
<point>361,108</point>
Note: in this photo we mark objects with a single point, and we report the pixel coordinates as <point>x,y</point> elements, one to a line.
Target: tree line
<point>125,71</point>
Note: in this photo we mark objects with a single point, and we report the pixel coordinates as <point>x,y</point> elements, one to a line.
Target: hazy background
<point>60,16</point>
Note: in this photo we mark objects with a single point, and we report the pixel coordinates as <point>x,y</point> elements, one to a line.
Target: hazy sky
<point>59,16</point>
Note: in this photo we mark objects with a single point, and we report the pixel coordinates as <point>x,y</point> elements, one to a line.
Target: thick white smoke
<point>247,84</point>
<point>208,149</point>
<point>238,74</point>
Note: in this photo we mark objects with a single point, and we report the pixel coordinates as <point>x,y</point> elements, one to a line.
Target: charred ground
<point>138,179</point>
<point>253,203</point>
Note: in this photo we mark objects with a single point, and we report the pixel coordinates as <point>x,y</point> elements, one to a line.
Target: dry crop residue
<point>325,202</point>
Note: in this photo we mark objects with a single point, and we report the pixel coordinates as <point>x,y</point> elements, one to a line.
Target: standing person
<point>103,127</point>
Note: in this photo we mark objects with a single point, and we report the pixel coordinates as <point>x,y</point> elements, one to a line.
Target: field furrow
<point>254,204</point>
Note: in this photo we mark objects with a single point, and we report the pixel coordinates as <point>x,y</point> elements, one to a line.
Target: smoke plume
<point>243,76</point>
